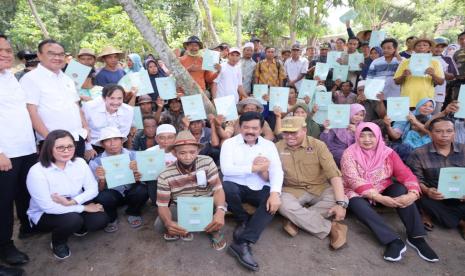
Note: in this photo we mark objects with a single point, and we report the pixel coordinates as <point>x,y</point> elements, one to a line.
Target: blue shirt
<point>105,76</point>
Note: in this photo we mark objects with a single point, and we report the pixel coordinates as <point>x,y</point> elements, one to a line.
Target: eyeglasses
<point>63,148</point>
<point>55,55</point>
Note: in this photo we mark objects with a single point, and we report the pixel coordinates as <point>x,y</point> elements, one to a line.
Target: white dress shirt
<point>56,99</point>
<point>69,182</point>
<point>236,160</point>
<point>294,68</point>
<point>98,118</point>
<point>17,136</point>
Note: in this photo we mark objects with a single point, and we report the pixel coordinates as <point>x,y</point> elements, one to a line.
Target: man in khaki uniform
<point>311,178</point>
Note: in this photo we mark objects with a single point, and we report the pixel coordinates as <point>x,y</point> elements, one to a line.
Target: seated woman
<point>104,112</point>
<point>417,136</point>
<point>61,187</point>
<point>339,139</point>
<point>134,195</point>
<point>301,110</point>
<point>367,169</point>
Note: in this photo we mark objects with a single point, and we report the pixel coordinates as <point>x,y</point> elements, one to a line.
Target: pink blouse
<point>356,185</point>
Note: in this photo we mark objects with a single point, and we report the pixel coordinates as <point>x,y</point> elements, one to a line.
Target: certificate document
<point>418,64</point>
<point>150,163</point>
<point>117,171</point>
<point>226,106</point>
<point>321,70</point>
<point>279,97</point>
<point>166,87</point>
<point>193,107</point>
<point>339,115</point>
<point>461,100</point>
<point>373,87</point>
<point>209,59</point>
<point>398,108</point>
<point>332,58</point>
<point>77,72</point>
<point>354,61</point>
<point>259,90</point>
<point>194,213</point>
<point>452,182</point>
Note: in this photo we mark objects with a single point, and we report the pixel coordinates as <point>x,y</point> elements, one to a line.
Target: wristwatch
<point>342,203</point>
<point>222,207</point>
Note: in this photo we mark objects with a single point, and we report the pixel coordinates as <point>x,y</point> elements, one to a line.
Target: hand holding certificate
<point>398,108</point>
<point>259,90</point>
<point>350,15</point>
<point>139,80</point>
<point>323,99</point>
<point>117,171</point>
<point>355,60</point>
<point>418,64</point>
<point>307,88</point>
<point>194,213</point>
<point>340,72</point>
<point>332,58</point>
<point>339,115</point>
<point>321,71</point>
<point>78,73</point>
<point>226,106</point>
<point>376,38</point>
<point>279,98</point>
<point>451,182</point>
<point>193,107</point>
<point>209,59</point>
<point>150,164</point>
<point>166,87</point>
<point>373,87</point>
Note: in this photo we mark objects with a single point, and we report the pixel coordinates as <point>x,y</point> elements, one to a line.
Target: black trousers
<point>13,190</point>
<point>236,195</point>
<point>447,212</point>
<point>64,225</point>
<point>409,215</point>
<point>135,198</point>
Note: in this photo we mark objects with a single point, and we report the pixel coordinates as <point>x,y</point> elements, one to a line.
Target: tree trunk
<point>239,24</point>
<point>38,20</point>
<point>198,20</point>
<point>293,21</point>
<point>211,27</point>
<point>183,78</point>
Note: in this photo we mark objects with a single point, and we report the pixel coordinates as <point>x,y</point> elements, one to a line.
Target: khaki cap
<point>292,124</point>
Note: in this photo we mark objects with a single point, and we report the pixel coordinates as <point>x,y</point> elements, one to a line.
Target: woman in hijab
<point>134,63</point>
<point>339,139</point>
<point>368,167</point>
<point>375,53</point>
<point>155,71</point>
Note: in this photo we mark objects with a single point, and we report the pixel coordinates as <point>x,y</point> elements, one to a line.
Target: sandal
<point>111,227</point>
<point>218,241</point>
<point>427,222</point>
<point>189,237</point>
<point>135,221</point>
<point>168,237</point>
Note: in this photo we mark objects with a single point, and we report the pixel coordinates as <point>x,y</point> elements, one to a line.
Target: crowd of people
<point>55,136</point>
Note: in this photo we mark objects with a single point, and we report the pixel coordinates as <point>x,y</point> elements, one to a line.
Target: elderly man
<point>247,67</point>
<point>52,99</point>
<point>310,177</point>
<point>296,67</point>
<point>17,155</point>
<point>192,61</point>
<point>191,175</point>
<point>252,174</point>
<point>426,163</point>
<point>112,72</point>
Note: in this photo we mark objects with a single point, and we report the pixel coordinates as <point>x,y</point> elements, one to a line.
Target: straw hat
<point>249,100</point>
<point>86,52</point>
<point>183,138</point>
<point>424,39</point>
<point>108,133</point>
<point>109,50</point>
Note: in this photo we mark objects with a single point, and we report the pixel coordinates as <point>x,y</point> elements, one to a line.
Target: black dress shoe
<point>240,227</point>
<point>10,271</point>
<point>12,256</point>
<point>244,255</point>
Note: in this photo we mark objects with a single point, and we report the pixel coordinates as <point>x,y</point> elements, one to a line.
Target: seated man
<point>308,165</point>
<point>134,195</point>
<point>182,179</point>
<point>426,163</point>
<point>252,174</point>
<point>206,136</point>
<point>145,138</point>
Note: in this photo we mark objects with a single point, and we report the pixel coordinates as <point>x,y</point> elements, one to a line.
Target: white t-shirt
<point>229,80</point>
<point>296,67</point>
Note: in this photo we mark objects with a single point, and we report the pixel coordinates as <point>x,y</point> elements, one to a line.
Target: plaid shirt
<point>426,162</point>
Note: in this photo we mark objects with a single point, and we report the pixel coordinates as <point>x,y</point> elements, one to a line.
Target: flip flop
<point>168,237</point>
<point>189,237</point>
<point>427,222</point>
<point>135,221</point>
<point>218,240</point>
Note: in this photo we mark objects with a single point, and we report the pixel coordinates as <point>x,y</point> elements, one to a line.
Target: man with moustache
<point>252,174</point>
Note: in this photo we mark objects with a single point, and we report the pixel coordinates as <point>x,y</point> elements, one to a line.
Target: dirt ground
<point>143,252</point>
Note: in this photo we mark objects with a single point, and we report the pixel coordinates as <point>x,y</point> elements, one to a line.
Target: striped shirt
<point>381,69</point>
<point>173,183</point>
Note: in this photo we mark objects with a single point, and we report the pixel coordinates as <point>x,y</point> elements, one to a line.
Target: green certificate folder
<point>193,107</point>
<point>376,38</point>
<point>139,80</point>
<point>354,61</point>
<point>398,108</point>
<point>307,88</point>
<point>418,64</point>
<point>77,72</point>
<point>279,97</point>
<point>321,115</point>
<point>461,100</point>
<point>226,106</point>
<point>150,163</point>
<point>374,87</point>
<point>117,171</point>
<point>340,72</point>
<point>332,58</point>
<point>166,87</point>
<point>321,70</point>
<point>350,15</point>
<point>339,115</point>
<point>209,59</point>
<point>137,120</point>
<point>452,182</point>
<point>195,213</point>
<point>323,99</point>
<point>259,90</point>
